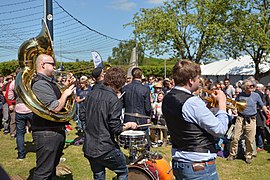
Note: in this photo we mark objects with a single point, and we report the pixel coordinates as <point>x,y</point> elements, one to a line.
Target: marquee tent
<point>239,68</point>
<point>243,65</point>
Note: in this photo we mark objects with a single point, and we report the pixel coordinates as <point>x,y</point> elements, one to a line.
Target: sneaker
<point>20,158</point>
<point>62,160</point>
<point>6,132</point>
<point>12,137</point>
<point>68,127</point>
<point>230,158</point>
<point>248,160</point>
<point>259,149</point>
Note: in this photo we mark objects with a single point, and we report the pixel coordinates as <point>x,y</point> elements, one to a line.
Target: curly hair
<point>115,77</point>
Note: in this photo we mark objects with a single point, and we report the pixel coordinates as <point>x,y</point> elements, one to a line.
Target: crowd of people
<point>195,125</point>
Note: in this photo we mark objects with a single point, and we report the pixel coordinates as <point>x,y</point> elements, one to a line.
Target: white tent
<point>238,68</point>
<point>243,65</point>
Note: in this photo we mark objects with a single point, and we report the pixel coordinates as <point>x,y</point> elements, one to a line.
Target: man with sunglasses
<point>246,120</point>
<point>49,137</point>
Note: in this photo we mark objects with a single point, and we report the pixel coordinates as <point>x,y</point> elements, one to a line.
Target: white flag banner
<point>97,59</point>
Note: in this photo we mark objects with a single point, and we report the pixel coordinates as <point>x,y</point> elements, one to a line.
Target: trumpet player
<point>246,121</point>
<point>192,126</point>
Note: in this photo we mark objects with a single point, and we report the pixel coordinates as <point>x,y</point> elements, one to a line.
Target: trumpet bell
<point>231,104</point>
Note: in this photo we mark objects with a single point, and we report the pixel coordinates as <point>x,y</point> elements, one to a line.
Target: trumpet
<point>231,104</point>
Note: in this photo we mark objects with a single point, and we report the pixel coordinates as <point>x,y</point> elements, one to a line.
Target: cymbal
<point>137,115</point>
<point>158,127</point>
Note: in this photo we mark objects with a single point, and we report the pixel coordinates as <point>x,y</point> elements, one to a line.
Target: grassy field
<point>238,169</point>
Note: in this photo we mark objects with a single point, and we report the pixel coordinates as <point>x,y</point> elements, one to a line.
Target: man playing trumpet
<point>192,125</point>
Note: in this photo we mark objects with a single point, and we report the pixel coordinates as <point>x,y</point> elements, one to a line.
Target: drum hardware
<point>137,115</point>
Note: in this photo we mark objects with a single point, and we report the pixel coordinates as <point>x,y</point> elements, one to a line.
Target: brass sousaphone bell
<point>28,52</point>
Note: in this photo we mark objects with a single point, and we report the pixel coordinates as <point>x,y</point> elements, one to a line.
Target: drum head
<point>133,133</point>
<point>138,173</point>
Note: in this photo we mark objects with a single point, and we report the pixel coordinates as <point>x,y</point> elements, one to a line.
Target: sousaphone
<point>27,54</point>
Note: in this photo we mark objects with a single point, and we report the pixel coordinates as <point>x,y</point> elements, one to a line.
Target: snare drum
<point>132,138</point>
<point>158,169</point>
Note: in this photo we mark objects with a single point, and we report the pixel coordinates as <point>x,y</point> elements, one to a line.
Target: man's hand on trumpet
<point>220,97</point>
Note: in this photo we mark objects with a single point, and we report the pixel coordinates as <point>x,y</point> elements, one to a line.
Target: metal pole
<point>48,15</point>
<point>165,68</point>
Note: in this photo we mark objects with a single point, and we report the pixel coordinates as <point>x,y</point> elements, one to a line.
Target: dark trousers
<point>49,146</point>
<point>21,120</point>
<point>113,160</point>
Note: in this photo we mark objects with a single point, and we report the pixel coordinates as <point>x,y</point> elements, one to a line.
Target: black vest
<point>39,123</point>
<point>185,136</point>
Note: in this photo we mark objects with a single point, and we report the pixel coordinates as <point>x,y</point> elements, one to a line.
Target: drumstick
<point>142,125</point>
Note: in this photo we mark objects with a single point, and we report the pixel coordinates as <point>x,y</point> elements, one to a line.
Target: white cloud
<point>156,1</point>
<point>124,5</point>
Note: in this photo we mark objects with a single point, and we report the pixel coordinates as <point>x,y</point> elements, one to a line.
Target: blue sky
<point>108,16</point>
<point>20,20</point>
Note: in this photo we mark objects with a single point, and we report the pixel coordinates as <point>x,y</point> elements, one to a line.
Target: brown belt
<point>206,162</point>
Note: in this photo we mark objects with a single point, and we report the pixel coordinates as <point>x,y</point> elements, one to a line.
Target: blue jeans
<point>259,138</point>
<point>185,171</point>
<point>113,160</point>
<point>21,120</point>
<point>48,146</point>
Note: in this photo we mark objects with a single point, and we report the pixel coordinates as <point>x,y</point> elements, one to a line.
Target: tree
<point>189,29</point>
<point>249,32</point>
<point>121,54</point>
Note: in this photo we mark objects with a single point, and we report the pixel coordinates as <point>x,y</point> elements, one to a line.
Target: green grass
<point>228,170</point>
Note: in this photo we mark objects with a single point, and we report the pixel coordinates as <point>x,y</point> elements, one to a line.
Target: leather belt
<point>205,162</point>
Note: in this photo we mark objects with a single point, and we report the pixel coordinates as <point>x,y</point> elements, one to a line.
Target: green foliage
<point>121,54</point>
<point>249,31</point>
<point>157,71</point>
<point>190,29</point>
<point>9,67</point>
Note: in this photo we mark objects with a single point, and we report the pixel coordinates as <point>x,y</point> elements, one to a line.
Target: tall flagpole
<point>48,15</point>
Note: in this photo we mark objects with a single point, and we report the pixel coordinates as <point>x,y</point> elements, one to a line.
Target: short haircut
<point>185,70</point>
<point>245,82</point>
<point>115,77</point>
<point>136,73</point>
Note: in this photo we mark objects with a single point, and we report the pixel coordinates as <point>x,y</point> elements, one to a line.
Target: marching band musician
<point>101,112</point>
<point>49,137</point>
<point>192,126</point>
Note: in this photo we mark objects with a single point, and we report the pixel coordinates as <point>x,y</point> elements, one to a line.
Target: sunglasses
<point>250,86</point>
<point>51,63</point>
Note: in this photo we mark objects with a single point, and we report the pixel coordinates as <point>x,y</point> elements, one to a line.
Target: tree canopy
<point>249,32</point>
<point>189,29</point>
<point>121,54</point>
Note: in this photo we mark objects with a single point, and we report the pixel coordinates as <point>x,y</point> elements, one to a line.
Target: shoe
<point>68,127</point>
<point>154,145</point>
<point>248,160</point>
<point>6,132</point>
<point>12,137</point>
<point>259,149</point>
<point>230,158</point>
<point>20,158</point>
<point>62,160</point>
